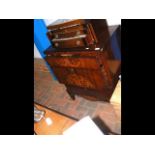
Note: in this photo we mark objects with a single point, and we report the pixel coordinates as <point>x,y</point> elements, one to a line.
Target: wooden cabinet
<point>80,34</point>
<point>85,72</point>
<point>89,70</point>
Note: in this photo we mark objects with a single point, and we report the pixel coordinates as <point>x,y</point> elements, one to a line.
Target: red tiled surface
<point>52,94</point>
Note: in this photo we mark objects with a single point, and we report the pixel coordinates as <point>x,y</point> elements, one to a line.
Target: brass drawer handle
<point>63,55</point>
<point>70,55</point>
<point>66,55</point>
<point>69,38</point>
<point>56,44</point>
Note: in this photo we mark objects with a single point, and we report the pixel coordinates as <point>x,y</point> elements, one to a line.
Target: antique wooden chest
<point>82,59</point>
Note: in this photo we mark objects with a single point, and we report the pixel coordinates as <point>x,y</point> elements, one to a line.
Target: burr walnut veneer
<point>82,59</point>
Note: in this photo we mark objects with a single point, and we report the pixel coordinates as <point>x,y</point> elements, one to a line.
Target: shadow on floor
<point>103,127</point>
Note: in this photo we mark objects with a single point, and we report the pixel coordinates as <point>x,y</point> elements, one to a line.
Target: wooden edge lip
<point>56,111</point>
<point>74,52</point>
<point>67,23</point>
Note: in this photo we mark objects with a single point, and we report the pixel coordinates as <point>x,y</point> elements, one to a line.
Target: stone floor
<point>52,94</point>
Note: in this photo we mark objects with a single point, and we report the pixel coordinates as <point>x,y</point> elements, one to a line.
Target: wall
<point>114,21</point>
<point>49,21</point>
<point>40,38</point>
<point>36,52</point>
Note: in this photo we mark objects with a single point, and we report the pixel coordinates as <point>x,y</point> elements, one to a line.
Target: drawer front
<point>72,31</point>
<point>67,24</point>
<point>69,34</point>
<point>68,60</point>
<point>80,77</point>
<point>72,40</point>
<point>69,42</point>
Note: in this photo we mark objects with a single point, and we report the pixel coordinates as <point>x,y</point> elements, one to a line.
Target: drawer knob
<point>78,42</point>
<point>78,33</point>
<point>56,44</point>
<point>72,70</point>
<point>56,36</point>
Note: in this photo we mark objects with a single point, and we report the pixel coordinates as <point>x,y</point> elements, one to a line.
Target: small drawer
<point>69,34</point>
<point>69,30</point>
<point>68,42</point>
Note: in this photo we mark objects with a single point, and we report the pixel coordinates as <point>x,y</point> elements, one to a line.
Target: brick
<point>90,112</point>
<point>73,105</point>
<point>90,104</point>
<point>43,99</point>
<point>70,112</point>
<point>60,102</point>
<point>109,118</point>
<point>81,108</point>
<point>82,114</point>
<point>49,102</point>
<point>66,106</point>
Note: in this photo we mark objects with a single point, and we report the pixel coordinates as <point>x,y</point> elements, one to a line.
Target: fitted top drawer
<point>74,60</point>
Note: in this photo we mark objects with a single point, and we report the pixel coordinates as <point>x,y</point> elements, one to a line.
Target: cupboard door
<point>90,79</point>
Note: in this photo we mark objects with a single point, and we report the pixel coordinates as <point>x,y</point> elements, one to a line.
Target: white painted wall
<point>49,21</point>
<point>36,52</point>
<point>114,21</point>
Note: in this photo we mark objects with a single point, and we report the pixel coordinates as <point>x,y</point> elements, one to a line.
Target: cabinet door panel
<point>91,79</point>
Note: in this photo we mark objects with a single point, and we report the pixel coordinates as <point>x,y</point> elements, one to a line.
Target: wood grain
<point>86,71</point>
<point>59,125</point>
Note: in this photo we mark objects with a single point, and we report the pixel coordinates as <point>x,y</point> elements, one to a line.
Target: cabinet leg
<point>71,95</point>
